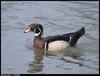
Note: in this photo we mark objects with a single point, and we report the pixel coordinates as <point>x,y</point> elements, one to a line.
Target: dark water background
<point>57,17</point>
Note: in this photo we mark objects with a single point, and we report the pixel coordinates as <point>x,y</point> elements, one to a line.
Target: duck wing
<point>72,38</point>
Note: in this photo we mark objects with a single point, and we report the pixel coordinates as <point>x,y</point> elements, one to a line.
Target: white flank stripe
<point>70,39</point>
<point>45,45</point>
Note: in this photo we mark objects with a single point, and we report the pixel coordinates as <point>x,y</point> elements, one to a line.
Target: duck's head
<point>36,28</point>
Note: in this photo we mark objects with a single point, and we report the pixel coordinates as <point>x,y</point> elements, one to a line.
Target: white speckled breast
<point>57,45</point>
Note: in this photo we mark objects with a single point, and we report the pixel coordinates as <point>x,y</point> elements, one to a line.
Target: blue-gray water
<point>57,17</point>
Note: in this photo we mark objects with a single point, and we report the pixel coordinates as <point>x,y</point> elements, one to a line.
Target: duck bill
<point>26,31</point>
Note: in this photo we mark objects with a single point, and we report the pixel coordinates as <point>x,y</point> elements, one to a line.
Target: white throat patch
<point>37,34</point>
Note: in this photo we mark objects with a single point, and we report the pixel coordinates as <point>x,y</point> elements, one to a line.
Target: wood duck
<point>53,43</point>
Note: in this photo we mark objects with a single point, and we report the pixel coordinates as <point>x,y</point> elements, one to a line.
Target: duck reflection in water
<point>37,65</point>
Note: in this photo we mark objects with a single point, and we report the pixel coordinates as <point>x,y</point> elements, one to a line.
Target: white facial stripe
<point>36,34</point>
<point>34,29</point>
<point>39,29</point>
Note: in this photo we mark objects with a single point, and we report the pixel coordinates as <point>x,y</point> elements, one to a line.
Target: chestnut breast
<point>38,43</point>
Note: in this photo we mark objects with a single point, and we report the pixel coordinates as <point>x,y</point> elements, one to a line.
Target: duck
<point>53,43</point>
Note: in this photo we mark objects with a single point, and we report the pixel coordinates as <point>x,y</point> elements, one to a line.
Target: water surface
<point>57,17</point>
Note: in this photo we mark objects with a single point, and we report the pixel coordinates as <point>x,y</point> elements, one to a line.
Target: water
<point>57,17</point>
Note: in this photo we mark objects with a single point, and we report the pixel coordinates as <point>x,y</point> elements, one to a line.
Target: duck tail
<point>81,31</point>
<point>76,35</point>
